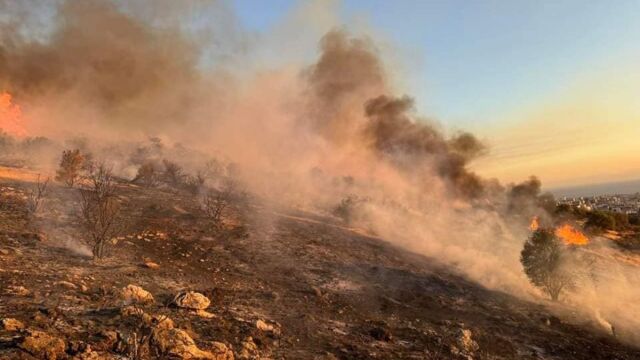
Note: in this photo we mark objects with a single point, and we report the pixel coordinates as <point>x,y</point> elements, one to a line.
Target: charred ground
<point>323,289</point>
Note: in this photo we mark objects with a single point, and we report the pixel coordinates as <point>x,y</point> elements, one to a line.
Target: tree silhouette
<point>543,258</point>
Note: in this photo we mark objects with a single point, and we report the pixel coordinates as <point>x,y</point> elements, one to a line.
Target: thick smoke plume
<point>409,144</point>
<point>107,75</point>
<point>105,66</point>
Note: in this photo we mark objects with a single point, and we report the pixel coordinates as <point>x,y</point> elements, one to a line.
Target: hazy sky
<point>550,85</point>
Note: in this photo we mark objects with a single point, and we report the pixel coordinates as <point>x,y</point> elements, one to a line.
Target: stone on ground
<point>43,345</point>
<point>10,324</point>
<point>192,300</point>
<point>176,343</point>
<point>133,294</point>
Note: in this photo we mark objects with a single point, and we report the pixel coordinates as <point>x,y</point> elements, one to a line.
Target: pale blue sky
<point>481,59</point>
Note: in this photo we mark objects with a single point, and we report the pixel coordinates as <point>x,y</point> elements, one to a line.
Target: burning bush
<point>147,174</point>
<point>543,260</point>
<point>100,209</point>
<point>71,165</point>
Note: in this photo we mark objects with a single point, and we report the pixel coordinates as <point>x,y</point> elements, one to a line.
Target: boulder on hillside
<point>192,300</point>
<point>133,294</point>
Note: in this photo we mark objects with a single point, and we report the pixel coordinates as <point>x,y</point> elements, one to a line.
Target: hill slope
<point>282,284</point>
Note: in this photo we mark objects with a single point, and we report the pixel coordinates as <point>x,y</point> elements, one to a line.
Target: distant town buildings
<point>622,203</point>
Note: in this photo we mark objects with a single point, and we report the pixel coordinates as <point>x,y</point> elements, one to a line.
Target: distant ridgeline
<point>623,187</point>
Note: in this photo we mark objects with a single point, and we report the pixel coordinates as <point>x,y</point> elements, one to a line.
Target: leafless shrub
<point>71,165</point>
<point>136,343</point>
<point>348,208</point>
<point>194,183</point>
<point>147,175</point>
<point>36,195</point>
<point>100,209</point>
<point>139,341</point>
<point>173,173</point>
<point>215,202</point>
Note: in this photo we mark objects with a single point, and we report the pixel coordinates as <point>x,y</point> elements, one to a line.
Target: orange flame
<point>571,236</point>
<point>534,224</point>
<point>11,120</point>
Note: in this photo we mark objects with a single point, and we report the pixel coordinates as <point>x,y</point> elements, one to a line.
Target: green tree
<point>542,258</point>
<point>621,220</point>
<point>600,221</point>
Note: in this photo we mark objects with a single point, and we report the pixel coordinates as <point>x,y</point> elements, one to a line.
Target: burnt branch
<point>36,195</point>
<point>100,209</point>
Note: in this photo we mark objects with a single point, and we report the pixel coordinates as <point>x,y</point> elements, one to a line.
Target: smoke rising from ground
<point>296,133</point>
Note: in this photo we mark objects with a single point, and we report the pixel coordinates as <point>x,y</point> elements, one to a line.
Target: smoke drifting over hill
<point>116,77</point>
<point>101,60</point>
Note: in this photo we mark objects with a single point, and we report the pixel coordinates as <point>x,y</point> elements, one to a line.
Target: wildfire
<point>571,236</point>
<point>11,120</point>
<point>566,232</point>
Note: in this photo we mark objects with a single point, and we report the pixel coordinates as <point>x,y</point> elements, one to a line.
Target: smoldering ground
<point>118,72</point>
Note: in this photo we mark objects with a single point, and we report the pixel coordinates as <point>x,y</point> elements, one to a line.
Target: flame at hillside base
<point>11,120</point>
<point>535,224</point>
<point>571,236</point>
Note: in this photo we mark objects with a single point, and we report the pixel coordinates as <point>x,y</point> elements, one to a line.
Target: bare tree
<point>100,209</point>
<point>215,202</point>
<point>35,195</point>
<point>71,164</point>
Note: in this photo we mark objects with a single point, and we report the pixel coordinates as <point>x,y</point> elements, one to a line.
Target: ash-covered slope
<point>282,284</point>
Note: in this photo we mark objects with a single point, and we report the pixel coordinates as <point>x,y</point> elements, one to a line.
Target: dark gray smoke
<point>347,73</point>
<point>527,200</point>
<point>412,144</point>
<point>120,66</point>
<point>142,77</point>
<point>349,78</point>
